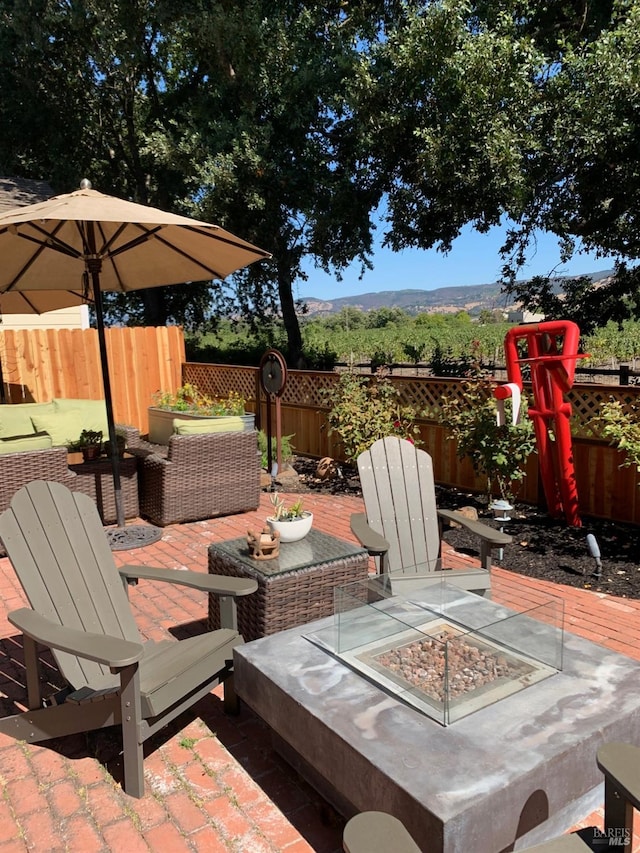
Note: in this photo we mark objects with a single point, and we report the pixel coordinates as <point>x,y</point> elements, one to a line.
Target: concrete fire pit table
<point>509,775</point>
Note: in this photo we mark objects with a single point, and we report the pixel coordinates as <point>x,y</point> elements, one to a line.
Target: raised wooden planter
<point>161,422</point>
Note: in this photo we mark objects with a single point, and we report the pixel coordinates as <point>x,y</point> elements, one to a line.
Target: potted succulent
<point>292,523</point>
<point>90,443</point>
<point>189,402</point>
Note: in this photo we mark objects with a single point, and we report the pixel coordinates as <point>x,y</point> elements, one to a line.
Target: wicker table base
<point>293,589</point>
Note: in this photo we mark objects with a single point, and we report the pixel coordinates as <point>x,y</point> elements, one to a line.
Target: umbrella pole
<point>94,265</point>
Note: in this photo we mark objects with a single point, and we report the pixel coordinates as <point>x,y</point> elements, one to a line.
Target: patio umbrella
<point>28,302</point>
<point>86,242</point>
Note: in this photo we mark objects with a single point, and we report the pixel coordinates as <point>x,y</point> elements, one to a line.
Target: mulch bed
<point>542,547</point>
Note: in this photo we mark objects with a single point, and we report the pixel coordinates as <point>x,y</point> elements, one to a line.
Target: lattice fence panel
<point>308,388</point>
<point>425,394</point>
<point>586,401</point>
<point>217,380</point>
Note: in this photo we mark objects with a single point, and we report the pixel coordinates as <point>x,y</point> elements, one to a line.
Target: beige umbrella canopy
<point>39,302</point>
<point>50,245</point>
<point>17,192</point>
<point>77,245</point>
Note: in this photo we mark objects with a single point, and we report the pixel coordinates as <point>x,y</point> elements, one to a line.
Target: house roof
<point>16,192</point>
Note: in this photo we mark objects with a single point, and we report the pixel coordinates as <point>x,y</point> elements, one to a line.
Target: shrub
<point>364,409</point>
<point>286,448</point>
<point>498,452</point>
<point>622,429</point>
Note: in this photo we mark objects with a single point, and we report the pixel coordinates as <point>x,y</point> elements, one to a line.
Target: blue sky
<point>474,259</point>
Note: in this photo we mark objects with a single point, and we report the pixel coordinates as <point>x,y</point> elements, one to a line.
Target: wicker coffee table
<point>295,588</point>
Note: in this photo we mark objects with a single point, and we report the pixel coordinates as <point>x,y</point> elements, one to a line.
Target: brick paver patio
<point>212,782</point>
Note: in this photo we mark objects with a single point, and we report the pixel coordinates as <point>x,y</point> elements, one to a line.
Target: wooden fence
<point>40,364</point>
<point>605,490</point>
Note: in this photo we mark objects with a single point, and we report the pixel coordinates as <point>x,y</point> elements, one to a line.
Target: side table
<point>295,588</point>
<point>96,480</point>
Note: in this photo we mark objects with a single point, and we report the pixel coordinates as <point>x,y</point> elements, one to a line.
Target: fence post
<point>624,374</point>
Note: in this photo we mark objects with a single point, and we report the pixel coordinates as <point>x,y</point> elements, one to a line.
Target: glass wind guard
<point>445,651</point>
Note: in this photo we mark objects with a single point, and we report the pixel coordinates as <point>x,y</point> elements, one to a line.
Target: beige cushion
<point>15,418</point>
<point>41,441</point>
<point>92,413</point>
<point>63,427</point>
<point>201,425</point>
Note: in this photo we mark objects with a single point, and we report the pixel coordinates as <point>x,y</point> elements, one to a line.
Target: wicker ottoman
<point>295,588</point>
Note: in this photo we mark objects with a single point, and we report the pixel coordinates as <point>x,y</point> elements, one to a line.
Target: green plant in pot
<point>90,443</point>
<point>189,402</point>
<point>292,523</point>
<point>189,399</point>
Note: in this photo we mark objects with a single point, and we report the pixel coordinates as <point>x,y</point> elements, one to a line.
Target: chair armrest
<point>113,652</point>
<point>495,538</point>
<point>620,763</point>
<point>131,434</point>
<point>377,832</point>
<point>146,451</point>
<point>369,538</point>
<point>217,584</point>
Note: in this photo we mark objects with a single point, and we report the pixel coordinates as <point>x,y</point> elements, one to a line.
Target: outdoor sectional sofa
<point>199,474</point>
<point>33,446</point>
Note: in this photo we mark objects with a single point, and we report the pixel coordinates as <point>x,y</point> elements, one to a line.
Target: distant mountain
<point>472,298</point>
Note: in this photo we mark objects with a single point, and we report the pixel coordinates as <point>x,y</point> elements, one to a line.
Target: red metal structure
<point>551,352</point>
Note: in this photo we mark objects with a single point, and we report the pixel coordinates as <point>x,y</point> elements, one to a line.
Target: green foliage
<point>289,123</point>
<point>497,452</point>
<point>444,363</point>
<point>442,341</point>
<point>413,338</point>
<point>622,429</point>
<point>286,448</point>
<point>590,306</point>
<point>232,112</point>
<point>516,112</point>
<point>364,409</point>
<point>87,438</point>
<point>283,513</point>
<point>189,399</point>
<point>415,351</point>
<point>381,358</point>
<point>380,318</point>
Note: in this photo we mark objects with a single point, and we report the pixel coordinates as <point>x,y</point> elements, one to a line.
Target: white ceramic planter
<point>161,423</point>
<point>294,529</point>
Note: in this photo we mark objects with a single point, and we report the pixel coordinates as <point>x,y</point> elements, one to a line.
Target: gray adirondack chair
<point>401,526</point>
<point>379,832</point>
<point>80,610</point>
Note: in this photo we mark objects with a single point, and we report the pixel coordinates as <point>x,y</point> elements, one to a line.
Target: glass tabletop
<point>315,549</point>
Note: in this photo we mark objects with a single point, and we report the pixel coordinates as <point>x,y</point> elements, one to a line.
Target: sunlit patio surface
<point>213,783</point>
